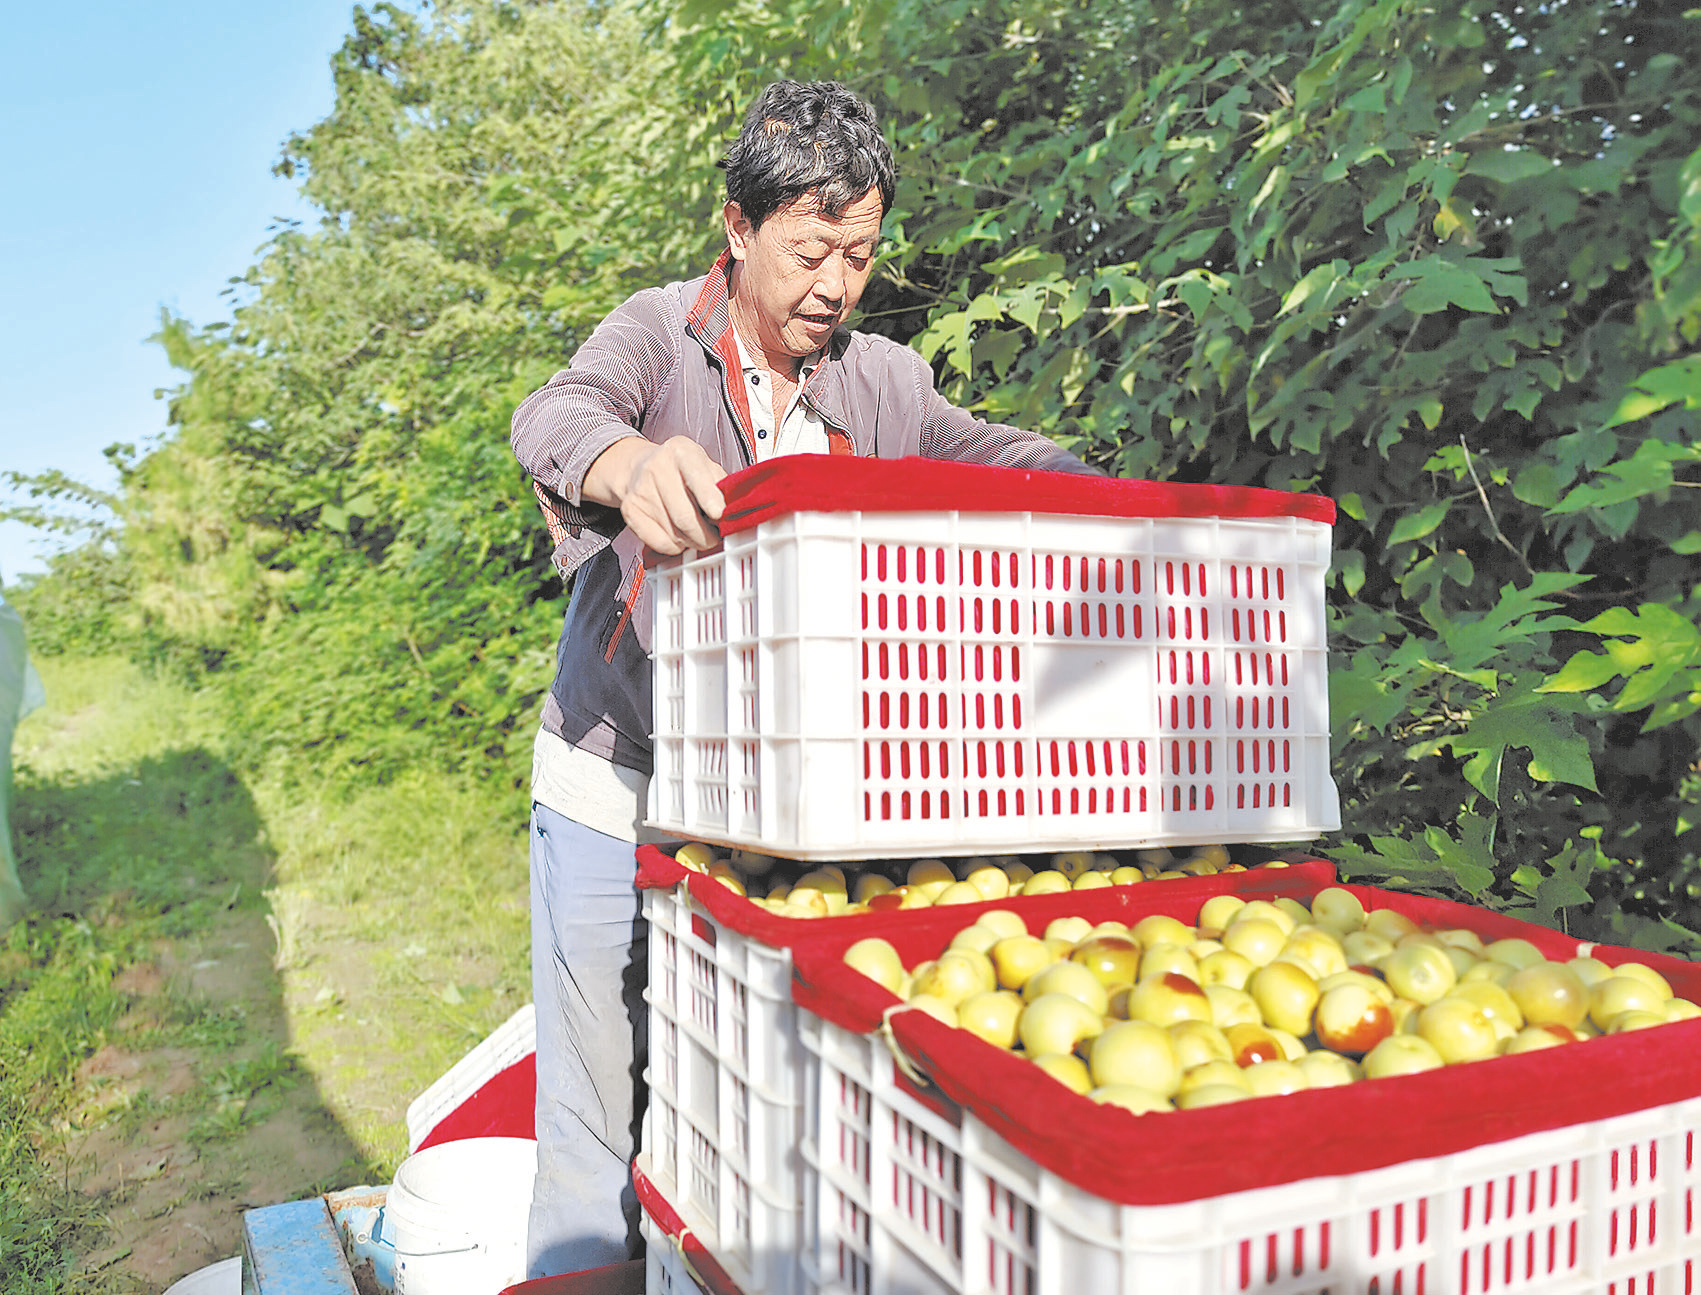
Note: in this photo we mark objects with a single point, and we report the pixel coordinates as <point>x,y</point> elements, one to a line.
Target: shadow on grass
<point>148,1092</point>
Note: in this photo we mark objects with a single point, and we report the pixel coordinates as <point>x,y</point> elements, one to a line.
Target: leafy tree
<point>1412,256</point>
<point>1440,263</point>
<point>337,525</point>
<point>82,602</point>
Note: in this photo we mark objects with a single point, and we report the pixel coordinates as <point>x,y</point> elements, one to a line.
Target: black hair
<point>808,137</point>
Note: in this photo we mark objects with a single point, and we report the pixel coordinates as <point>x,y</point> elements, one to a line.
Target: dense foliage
<point>1442,263</point>
<point>336,533</point>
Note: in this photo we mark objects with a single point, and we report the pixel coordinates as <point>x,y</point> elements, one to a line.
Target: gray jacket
<point>658,367</point>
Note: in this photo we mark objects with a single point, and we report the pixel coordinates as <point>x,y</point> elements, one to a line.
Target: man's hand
<point>668,494</point>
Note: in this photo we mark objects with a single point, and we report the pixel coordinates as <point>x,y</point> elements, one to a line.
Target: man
<point>626,447</point>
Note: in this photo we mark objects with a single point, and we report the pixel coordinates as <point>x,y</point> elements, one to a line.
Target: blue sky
<point>136,147</point>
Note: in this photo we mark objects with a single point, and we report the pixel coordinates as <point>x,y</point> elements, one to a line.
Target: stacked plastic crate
<point>908,658</point>
<point>893,659</point>
<point>1561,1171</point>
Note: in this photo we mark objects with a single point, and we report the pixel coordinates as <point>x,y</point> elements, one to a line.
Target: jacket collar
<point>710,321</point>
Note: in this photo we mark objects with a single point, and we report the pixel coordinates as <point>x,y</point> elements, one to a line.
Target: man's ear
<point>739,231</point>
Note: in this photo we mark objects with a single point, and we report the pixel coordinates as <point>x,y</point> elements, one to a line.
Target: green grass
<point>57,1002</point>
<point>398,914</point>
<point>426,877</point>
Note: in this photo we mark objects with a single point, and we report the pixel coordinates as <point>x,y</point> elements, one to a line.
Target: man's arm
<point>948,432</point>
<point>578,436</point>
<point>563,427</point>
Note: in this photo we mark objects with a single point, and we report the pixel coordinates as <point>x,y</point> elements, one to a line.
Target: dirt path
<point>253,979</point>
<point>183,1129</point>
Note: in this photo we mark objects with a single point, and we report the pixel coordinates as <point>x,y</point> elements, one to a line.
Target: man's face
<point>801,274</point>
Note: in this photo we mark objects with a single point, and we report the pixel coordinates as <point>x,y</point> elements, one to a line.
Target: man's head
<point>812,137</point>
<point>808,182</point>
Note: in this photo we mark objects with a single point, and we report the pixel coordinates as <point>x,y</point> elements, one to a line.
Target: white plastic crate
<point>722,1133</point>
<point>675,1262</point>
<point>854,684</point>
<point>728,1075</point>
<point>666,1271</point>
<point>509,1043</point>
<point>730,1079</point>
<point>915,1199</point>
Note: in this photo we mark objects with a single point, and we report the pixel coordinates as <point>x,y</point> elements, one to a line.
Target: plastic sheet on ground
<point>20,693</point>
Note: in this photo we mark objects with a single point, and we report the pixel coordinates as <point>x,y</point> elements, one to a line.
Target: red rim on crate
<point>814,482</point>
<point>1179,1156</point>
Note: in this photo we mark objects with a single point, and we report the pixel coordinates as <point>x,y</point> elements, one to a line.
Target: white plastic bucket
<point>457,1215</point>
<point>222,1278</point>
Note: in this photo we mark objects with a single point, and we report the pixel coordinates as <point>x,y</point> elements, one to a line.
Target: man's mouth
<point>820,321</point>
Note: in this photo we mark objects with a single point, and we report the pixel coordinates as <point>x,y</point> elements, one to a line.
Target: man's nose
<point>830,282</point>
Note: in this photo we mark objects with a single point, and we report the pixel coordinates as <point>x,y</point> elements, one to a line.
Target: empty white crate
<point>509,1044</point>
<point>850,682</point>
<point>723,1130</point>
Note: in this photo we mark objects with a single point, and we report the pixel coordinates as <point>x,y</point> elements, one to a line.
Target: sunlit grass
<point>427,877</point>
<point>398,914</point>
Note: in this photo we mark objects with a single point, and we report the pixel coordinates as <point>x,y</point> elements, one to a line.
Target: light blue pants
<point>590,961</point>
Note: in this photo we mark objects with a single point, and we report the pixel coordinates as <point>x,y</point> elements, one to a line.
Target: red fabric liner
<point>504,1106</point>
<point>661,1210</point>
<point>932,928</point>
<point>829,483</point>
<point>1178,1156</point>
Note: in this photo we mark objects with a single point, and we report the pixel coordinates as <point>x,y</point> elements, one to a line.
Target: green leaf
<point>1349,566</point>
<point>1317,282</point>
<point>1391,857</point>
<point>1648,471</point>
<point>1434,858</point>
<point>1026,305</point>
<point>1660,388</point>
<point>1196,293</point>
<point>1026,264</point>
<point>1537,482</point>
<point>1689,204</point>
<point>1469,859</point>
<point>1509,165</point>
<point>1392,191</point>
<point>1658,651</point>
<point>1438,284</point>
<point>999,348</point>
<point>1363,694</point>
<point>1585,670</point>
<point>1525,719</point>
<point>1567,882</point>
<point>1416,525</point>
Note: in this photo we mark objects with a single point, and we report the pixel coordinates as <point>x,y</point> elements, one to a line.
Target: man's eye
<point>812,261</point>
<point>858,261</point>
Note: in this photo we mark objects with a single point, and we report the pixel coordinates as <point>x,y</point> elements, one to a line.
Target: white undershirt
<point>604,796</point>
<point>801,431</point>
